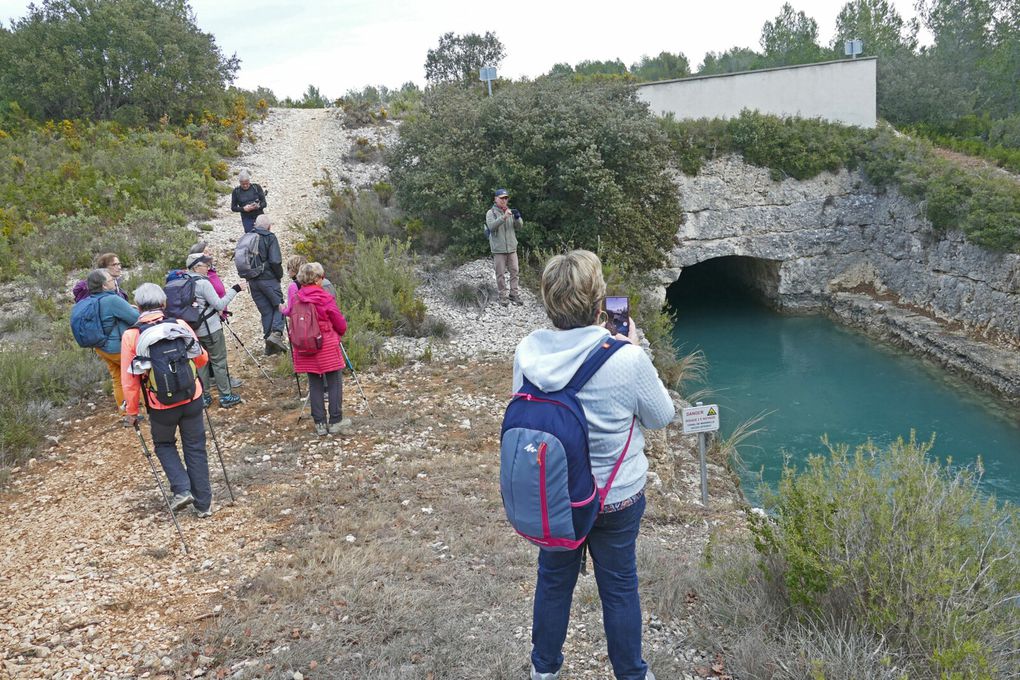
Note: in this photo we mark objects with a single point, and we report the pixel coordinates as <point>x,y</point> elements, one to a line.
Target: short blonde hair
<point>310,273</point>
<point>573,289</point>
<point>293,265</point>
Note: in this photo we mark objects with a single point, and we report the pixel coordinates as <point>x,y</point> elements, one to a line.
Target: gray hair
<point>149,296</point>
<point>263,221</point>
<point>244,175</point>
<point>96,280</point>
<point>198,248</point>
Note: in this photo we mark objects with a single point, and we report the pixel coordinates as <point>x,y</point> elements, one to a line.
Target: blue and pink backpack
<point>545,477</point>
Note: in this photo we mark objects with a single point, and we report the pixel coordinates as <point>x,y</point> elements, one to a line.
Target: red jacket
<point>332,325</point>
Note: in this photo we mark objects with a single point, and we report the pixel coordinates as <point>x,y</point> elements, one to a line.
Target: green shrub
<point>34,388</point>
<point>585,162</point>
<point>895,545</point>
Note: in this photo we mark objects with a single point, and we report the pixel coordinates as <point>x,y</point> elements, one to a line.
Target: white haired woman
<point>624,390</point>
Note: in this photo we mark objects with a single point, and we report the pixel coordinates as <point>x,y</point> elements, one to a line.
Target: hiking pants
<point>216,344</point>
<point>112,362</point>
<point>335,384</point>
<point>193,474</point>
<point>248,221</point>
<point>268,297</point>
<point>504,262</point>
<point>612,544</point>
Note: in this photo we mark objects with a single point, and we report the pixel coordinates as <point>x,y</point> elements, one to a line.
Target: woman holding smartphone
<point>624,389</point>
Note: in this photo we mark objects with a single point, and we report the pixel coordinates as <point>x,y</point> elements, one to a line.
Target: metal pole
<point>347,360</point>
<point>489,81</point>
<point>219,455</point>
<point>704,465</point>
<point>704,469</point>
<point>245,348</point>
<point>159,482</point>
<point>297,378</point>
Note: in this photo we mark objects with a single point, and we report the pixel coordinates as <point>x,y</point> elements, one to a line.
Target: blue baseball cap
<point>501,192</point>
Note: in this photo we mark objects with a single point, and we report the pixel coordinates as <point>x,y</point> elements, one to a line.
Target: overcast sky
<point>351,43</point>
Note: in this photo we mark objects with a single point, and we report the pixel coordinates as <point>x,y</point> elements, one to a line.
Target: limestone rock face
<point>836,232</point>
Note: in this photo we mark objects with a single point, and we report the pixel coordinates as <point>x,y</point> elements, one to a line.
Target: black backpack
<point>172,377</point>
<point>181,302</point>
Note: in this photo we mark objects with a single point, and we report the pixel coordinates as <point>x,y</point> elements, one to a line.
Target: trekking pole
<point>297,378</point>
<point>219,455</point>
<point>347,360</point>
<point>245,348</point>
<point>159,482</point>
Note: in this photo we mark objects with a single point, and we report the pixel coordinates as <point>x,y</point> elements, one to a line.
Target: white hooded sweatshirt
<point>626,386</point>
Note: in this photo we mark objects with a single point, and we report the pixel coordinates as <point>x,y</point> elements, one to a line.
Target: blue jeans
<point>613,547</point>
<point>248,221</point>
<point>267,295</point>
<point>193,474</point>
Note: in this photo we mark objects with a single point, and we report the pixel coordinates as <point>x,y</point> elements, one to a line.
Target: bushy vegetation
<point>103,187</point>
<point>367,256</point>
<point>982,203</point>
<point>879,564</point>
<point>133,61</point>
<point>585,162</point>
<point>373,105</point>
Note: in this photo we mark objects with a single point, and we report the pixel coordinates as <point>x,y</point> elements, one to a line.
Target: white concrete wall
<point>839,91</point>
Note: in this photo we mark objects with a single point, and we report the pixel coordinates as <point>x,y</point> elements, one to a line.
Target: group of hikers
<point>168,351</point>
<point>571,485</point>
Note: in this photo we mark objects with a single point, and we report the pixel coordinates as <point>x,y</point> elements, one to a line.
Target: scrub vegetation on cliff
<point>983,203</point>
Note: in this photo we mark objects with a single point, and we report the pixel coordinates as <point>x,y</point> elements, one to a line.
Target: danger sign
<point>701,419</point>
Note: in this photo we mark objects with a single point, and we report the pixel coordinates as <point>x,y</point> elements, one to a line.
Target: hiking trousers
<point>268,296</point>
<point>216,344</point>
<point>193,474</point>
<point>612,543</point>
<point>247,221</point>
<point>503,263</point>
<point>112,362</point>
<point>335,385</point>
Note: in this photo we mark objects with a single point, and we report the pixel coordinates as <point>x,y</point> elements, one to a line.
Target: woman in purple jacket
<point>324,366</point>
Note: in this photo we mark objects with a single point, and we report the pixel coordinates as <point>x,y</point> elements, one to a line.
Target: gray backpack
<point>246,256</point>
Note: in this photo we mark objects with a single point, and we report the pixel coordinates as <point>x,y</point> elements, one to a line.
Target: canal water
<point>814,377</point>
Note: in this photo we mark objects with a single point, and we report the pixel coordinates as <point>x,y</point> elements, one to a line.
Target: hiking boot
<point>321,429</point>
<point>229,400</point>
<point>181,501</point>
<point>504,302</point>
<point>235,383</point>
<point>535,675</point>
<point>342,427</point>
<point>202,514</point>
<point>516,299</point>
<point>276,338</point>
<point>207,400</point>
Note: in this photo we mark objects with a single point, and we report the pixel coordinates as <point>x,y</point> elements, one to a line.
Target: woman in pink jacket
<point>323,366</point>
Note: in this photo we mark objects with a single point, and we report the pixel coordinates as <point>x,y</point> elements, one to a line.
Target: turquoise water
<point>816,378</point>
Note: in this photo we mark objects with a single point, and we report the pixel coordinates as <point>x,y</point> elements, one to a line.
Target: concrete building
<point>837,91</point>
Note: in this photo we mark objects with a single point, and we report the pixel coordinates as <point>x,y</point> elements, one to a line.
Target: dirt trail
<point>92,579</point>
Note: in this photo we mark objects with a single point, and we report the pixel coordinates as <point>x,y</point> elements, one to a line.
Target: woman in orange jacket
<point>189,481</point>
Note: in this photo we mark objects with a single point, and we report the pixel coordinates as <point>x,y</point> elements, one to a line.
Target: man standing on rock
<point>501,223</point>
<point>265,287</point>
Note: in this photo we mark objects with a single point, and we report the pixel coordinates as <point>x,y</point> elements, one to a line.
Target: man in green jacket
<point>500,224</point>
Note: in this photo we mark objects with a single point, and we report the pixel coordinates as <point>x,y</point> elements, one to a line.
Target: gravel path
<point>92,579</point>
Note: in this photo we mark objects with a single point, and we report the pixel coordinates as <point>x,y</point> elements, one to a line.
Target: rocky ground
<point>94,583</point>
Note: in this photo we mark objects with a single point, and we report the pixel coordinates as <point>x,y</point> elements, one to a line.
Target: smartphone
<point>618,311</point>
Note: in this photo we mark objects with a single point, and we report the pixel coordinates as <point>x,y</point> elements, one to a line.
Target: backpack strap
<point>598,356</point>
<point>604,491</point>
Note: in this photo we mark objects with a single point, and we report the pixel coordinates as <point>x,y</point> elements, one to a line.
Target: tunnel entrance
<point>730,278</point>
